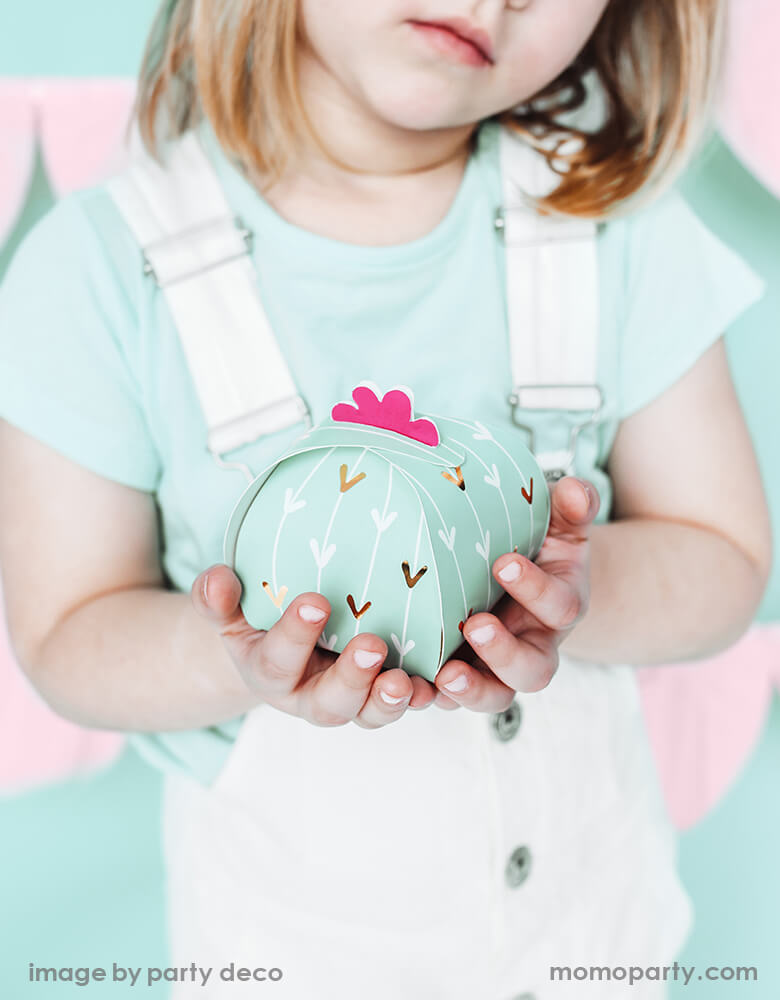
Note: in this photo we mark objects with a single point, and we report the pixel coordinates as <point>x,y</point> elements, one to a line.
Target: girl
<point>510,841</point>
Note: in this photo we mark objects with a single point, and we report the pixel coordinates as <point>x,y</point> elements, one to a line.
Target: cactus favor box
<point>395,519</point>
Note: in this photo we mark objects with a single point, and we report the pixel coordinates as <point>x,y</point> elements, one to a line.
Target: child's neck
<point>379,211</point>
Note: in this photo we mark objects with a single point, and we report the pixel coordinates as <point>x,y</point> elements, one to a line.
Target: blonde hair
<point>657,65</point>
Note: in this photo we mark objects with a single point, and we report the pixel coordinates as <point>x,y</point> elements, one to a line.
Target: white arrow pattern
<point>321,558</point>
<point>493,479</point>
<point>407,647</point>
<point>290,504</point>
<point>484,550</point>
<point>382,524</point>
<point>448,538</point>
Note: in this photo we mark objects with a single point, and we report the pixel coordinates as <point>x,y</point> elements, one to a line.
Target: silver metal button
<point>518,867</point>
<point>506,724</point>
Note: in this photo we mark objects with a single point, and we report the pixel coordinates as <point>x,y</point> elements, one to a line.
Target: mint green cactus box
<point>396,520</point>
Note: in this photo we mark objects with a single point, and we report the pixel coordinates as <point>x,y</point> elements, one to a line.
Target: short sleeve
<point>67,328</point>
<point>684,287</point>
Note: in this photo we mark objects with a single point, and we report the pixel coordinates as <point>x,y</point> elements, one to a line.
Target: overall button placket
<point>506,724</point>
<point>518,867</point>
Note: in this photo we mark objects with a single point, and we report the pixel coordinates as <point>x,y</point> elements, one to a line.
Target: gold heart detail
<point>459,482</point>
<point>461,624</point>
<point>411,581</point>
<point>277,599</point>
<point>354,610</point>
<point>348,484</point>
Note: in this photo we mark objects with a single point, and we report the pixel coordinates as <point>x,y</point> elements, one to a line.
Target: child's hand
<point>516,646</point>
<point>285,668</point>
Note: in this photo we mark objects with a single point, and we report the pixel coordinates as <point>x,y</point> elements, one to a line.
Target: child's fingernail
<point>390,700</point>
<point>459,683</point>
<point>205,588</point>
<point>366,659</point>
<point>311,614</point>
<point>483,635</point>
<point>587,492</point>
<point>510,572</point>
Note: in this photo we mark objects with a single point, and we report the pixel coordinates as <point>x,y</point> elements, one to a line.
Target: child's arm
<point>681,571</point>
<point>108,646</point>
<point>679,575</point>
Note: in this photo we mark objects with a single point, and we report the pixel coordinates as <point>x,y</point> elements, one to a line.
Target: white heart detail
<point>448,539</point>
<point>321,558</point>
<point>407,648</point>
<point>328,642</point>
<point>494,479</point>
<point>290,505</point>
<point>484,551</point>
<point>383,524</point>
<point>483,434</point>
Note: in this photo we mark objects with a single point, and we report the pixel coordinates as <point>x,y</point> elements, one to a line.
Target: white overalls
<point>450,855</point>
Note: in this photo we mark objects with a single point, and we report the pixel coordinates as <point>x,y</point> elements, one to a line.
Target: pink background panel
<point>36,745</point>
<point>79,126</point>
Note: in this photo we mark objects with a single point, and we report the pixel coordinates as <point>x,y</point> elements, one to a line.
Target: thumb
<point>216,594</point>
<point>575,503</point>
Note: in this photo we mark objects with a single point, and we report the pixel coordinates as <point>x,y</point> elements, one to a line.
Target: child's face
<point>376,56</point>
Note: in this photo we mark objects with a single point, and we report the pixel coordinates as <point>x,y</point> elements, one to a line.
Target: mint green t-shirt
<point>91,364</point>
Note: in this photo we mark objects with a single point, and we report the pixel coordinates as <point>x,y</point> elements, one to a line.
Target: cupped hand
<point>515,648</point>
<point>285,668</point>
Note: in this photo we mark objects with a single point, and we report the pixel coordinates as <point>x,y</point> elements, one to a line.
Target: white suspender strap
<point>198,253</point>
<point>552,301</point>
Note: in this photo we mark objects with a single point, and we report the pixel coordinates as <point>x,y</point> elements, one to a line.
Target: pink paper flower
<point>393,412</point>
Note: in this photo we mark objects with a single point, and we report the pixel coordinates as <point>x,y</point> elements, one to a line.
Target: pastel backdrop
<point>714,724</point>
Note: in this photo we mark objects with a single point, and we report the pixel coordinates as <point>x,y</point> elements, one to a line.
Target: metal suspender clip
<point>585,398</point>
<point>196,250</point>
<point>249,427</point>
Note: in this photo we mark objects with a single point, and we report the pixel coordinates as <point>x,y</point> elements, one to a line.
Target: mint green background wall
<point>73,38</point>
<point>81,881</point>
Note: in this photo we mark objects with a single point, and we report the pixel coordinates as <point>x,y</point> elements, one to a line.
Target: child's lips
<point>447,41</point>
